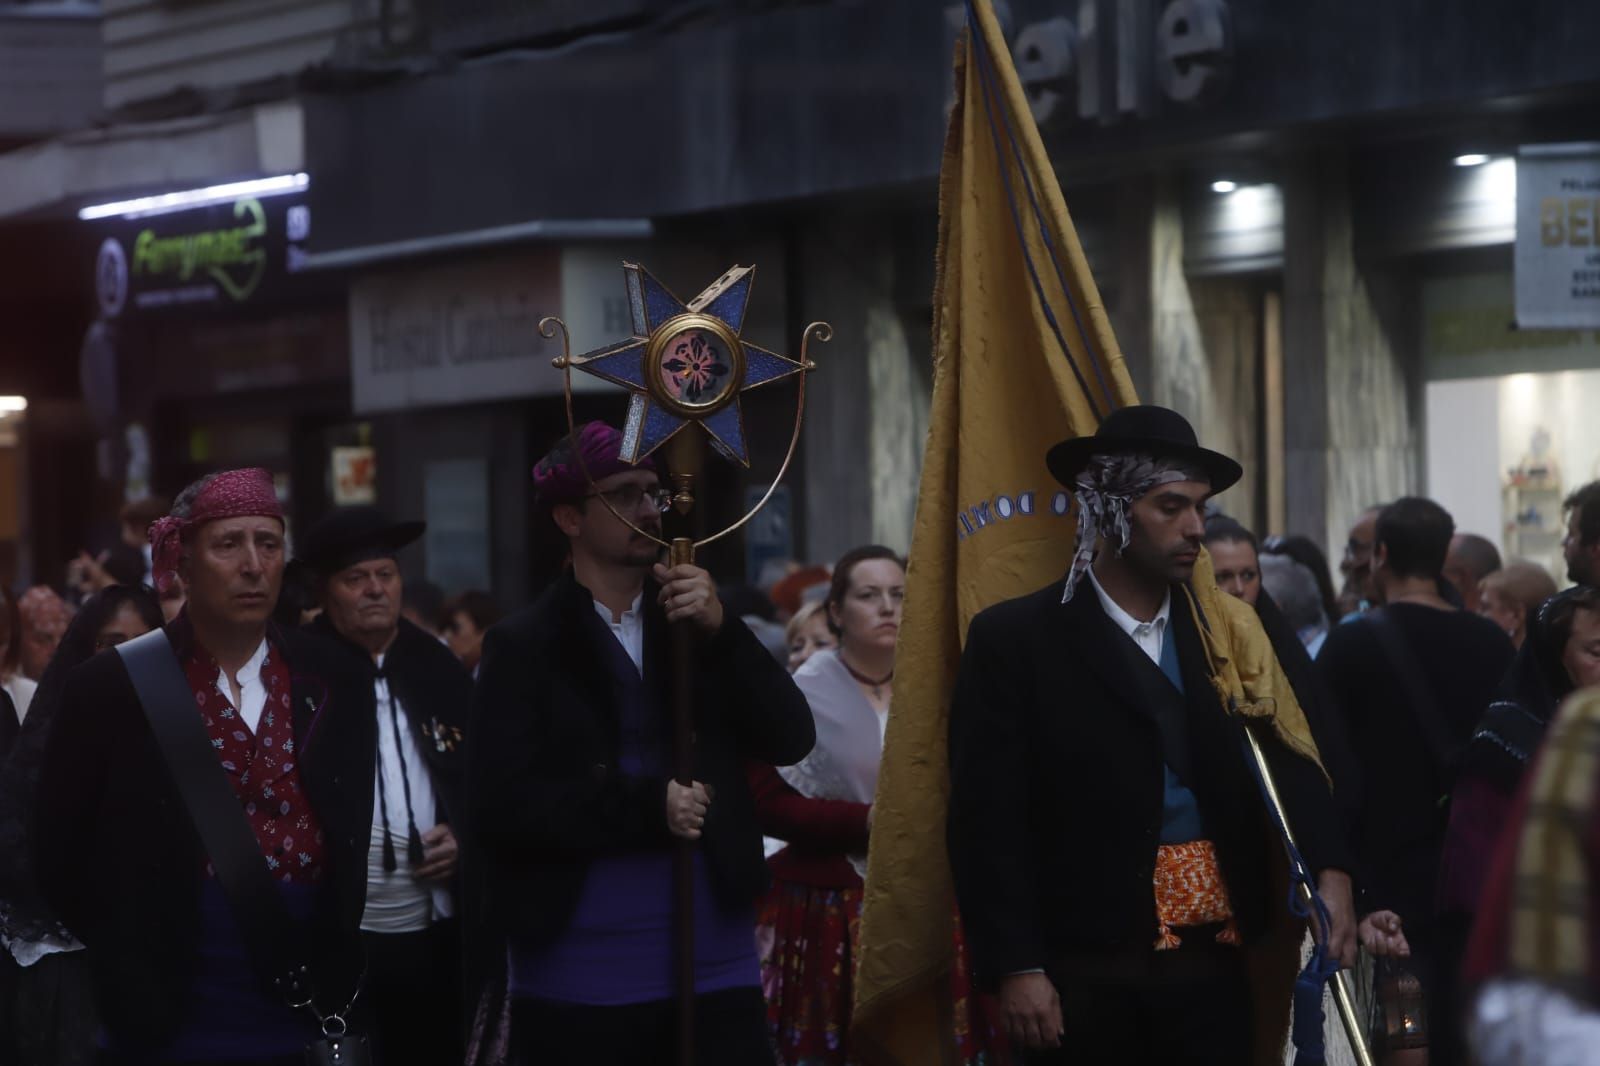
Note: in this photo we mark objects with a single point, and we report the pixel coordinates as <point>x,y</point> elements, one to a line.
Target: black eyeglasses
<point>628,497</point>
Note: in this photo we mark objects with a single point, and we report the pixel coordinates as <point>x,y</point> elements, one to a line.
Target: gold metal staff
<point>1343,994</point>
<point>685,367</point>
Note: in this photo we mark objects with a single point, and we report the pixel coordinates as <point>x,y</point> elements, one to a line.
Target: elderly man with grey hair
<point>1294,589</point>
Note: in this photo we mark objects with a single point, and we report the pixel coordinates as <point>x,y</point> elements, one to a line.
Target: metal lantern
<point>1401,1007</point>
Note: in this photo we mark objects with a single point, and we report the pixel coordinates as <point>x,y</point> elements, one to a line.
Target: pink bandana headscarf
<point>231,494</point>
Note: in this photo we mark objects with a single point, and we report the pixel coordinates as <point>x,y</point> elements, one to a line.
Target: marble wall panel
<point>899,427</point>
<point>1351,437</point>
<point>868,403</point>
<point>1206,354</point>
<point>837,501</point>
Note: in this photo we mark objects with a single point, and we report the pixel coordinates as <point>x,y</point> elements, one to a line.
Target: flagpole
<point>1343,994</point>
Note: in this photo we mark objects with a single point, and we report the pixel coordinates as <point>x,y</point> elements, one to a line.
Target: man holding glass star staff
<point>615,717</point>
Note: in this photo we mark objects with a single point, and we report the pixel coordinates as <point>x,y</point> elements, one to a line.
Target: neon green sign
<point>234,258</point>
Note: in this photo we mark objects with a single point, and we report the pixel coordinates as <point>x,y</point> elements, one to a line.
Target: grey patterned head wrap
<point>1105,487</point>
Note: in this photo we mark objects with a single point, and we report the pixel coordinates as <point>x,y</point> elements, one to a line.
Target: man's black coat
<point>1059,728</point>
<point>121,863</point>
<point>435,695</point>
<point>544,792</point>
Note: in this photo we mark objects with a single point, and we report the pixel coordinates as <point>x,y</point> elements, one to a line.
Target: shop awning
<point>56,177</point>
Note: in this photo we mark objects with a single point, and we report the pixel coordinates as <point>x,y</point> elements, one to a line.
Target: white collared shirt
<point>397,902</point>
<point>252,690</point>
<point>629,632</point>
<point>1151,635</point>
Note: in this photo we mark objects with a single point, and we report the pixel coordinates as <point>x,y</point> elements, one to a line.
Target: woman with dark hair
<point>1557,657</point>
<point>1304,551</point>
<point>1548,667</point>
<point>46,1006</point>
<point>465,619</point>
<point>1235,558</point>
<point>822,807</point>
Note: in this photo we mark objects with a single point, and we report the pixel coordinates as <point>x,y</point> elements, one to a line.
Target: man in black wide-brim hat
<point>1111,849</point>
<point>418,699</point>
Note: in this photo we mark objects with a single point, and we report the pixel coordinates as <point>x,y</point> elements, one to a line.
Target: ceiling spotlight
<point>1471,159</point>
<point>1224,186</point>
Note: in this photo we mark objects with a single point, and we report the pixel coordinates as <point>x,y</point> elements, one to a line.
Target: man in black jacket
<point>1110,847</point>
<point>118,854</point>
<point>1410,680</point>
<point>571,807</point>
<point>418,697</point>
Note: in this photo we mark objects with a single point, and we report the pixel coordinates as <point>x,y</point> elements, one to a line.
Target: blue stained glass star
<point>686,362</point>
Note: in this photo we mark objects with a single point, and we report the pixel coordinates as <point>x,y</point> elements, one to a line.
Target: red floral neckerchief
<point>262,766</point>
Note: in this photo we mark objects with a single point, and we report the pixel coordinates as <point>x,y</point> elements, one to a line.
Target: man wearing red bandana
<point>122,861</point>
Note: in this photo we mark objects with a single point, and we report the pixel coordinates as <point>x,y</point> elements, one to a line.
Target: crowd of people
<point>450,835</point>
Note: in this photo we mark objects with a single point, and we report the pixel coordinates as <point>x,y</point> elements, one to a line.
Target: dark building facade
<point>1280,203</point>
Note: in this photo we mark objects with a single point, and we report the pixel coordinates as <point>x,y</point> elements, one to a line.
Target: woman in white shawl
<point>823,809</point>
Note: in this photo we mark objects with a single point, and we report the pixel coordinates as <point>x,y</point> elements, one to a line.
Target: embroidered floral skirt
<point>807,940</point>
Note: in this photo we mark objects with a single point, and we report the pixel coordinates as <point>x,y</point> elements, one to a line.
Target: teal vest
<point>1180,810</point>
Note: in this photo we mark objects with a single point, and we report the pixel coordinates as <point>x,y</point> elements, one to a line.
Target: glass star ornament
<point>686,362</point>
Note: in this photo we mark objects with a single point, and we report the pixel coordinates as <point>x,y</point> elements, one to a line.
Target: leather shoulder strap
<point>168,702</point>
<point>1447,749</point>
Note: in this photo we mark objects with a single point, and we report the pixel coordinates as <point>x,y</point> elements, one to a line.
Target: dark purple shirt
<point>617,949</point>
<point>230,1016</point>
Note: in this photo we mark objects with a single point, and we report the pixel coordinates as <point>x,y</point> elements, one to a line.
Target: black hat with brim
<point>351,535</point>
<point>1142,430</point>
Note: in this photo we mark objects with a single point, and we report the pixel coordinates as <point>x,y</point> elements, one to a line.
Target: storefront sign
<point>355,475</point>
<point>454,334</point>
<point>1084,66</point>
<point>220,256</point>
<point>1558,236</point>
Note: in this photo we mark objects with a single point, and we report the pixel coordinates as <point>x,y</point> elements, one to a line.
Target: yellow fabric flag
<point>1024,356</point>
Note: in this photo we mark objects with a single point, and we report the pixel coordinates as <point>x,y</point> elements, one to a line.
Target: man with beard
<point>572,812</point>
<point>1110,846</point>
<point>1357,594</point>
<point>418,697</point>
<point>1582,543</point>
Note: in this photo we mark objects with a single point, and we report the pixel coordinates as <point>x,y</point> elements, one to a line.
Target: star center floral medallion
<point>694,370</point>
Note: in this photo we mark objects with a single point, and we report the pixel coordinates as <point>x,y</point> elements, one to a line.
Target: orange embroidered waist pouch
<point>1190,892</point>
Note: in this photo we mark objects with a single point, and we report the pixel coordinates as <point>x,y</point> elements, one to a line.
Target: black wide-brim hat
<point>350,535</point>
<point>1142,430</point>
